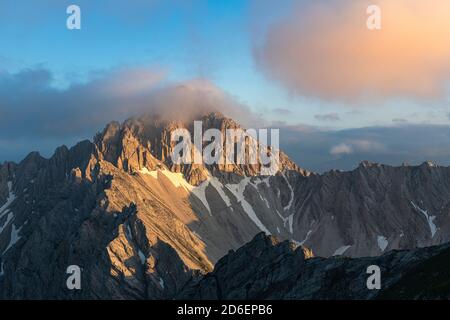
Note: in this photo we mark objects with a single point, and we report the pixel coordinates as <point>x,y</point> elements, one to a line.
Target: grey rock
<point>266,268</point>
<point>141,227</point>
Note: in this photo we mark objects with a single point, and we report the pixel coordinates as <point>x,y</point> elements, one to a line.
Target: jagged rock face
<point>75,209</point>
<point>245,274</point>
<point>113,207</point>
<point>266,268</point>
<point>142,227</point>
<point>145,142</point>
<point>373,209</point>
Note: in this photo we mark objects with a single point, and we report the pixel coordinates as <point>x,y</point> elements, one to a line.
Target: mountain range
<point>141,227</point>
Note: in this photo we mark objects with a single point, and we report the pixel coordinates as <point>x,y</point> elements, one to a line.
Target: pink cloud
<point>325,49</point>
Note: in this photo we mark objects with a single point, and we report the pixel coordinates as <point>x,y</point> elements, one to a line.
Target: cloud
<point>391,145</point>
<point>341,148</point>
<point>36,116</point>
<point>281,111</point>
<point>31,105</point>
<point>357,145</point>
<point>399,120</point>
<point>327,117</point>
<point>33,110</point>
<point>367,146</point>
<point>324,49</point>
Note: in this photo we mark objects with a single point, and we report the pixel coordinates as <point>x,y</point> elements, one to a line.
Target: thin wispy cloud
<point>365,145</point>
<point>282,111</point>
<point>328,117</point>
<point>399,120</point>
<point>341,148</point>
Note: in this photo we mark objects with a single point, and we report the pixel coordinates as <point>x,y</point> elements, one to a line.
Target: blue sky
<point>206,39</point>
<point>214,40</point>
<point>188,39</point>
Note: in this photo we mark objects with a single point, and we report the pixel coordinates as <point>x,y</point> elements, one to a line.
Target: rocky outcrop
<point>266,268</point>
<point>373,209</point>
<point>145,142</point>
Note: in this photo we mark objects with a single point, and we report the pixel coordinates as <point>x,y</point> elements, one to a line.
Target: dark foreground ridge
<point>266,268</point>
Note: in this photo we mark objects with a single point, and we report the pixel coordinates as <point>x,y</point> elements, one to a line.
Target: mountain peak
<point>368,164</point>
<point>145,142</point>
<point>429,164</point>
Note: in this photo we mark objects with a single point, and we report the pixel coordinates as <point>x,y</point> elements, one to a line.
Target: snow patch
<point>291,224</point>
<point>8,220</point>
<point>289,221</point>
<point>128,232</point>
<point>197,235</point>
<point>238,192</point>
<point>285,220</point>
<point>153,174</point>
<point>430,219</point>
<point>256,183</point>
<point>9,200</point>
<point>341,250</point>
<point>141,256</point>
<point>298,243</point>
<point>306,238</point>
<point>219,188</point>
<point>266,180</point>
<point>14,238</point>
<point>263,199</point>
<point>200,193</point>
<point>161,282</point>
<point>382,242</point>
<point>288,206</point>
<point>178,180</point>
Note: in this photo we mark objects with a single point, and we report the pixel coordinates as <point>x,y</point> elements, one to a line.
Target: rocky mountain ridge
<point>142,227</point>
